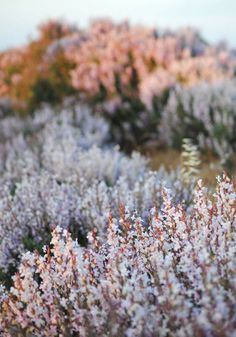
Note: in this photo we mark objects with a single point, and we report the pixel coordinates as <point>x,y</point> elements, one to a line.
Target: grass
<point>170,159</point>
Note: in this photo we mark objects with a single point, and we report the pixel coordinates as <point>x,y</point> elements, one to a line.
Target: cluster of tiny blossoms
<point>175,276</point>
<point>52,173</point>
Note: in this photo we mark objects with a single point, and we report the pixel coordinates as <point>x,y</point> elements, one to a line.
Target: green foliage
<point>42,91</point>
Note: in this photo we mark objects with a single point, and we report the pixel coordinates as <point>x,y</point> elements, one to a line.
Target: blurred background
<point>157,71</point>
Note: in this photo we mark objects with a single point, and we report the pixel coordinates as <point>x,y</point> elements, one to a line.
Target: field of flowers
<point>93,241</point>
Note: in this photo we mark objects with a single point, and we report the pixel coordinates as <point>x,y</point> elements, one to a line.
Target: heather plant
<point>80,201</point>
<point>174,276</point>
<point>129,72</point>
<point>118,58</point>
<point>205,113</point>
<point>52,173</point>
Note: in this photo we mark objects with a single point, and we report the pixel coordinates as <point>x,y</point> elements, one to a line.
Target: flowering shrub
<point>129,71</point>
<point>52,173</point>
<point>173,277</point>
<point>25,143</point>
<point>119,58</point>
<point>203,112</point>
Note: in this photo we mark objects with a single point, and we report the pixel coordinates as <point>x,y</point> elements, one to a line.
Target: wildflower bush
<point>60,169</point>
<point>206,113</point>
<point>174,276</point>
